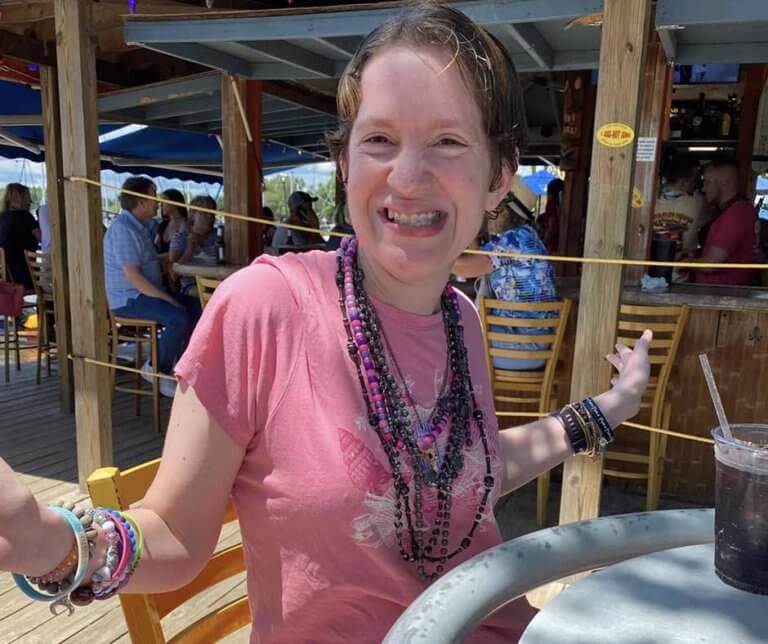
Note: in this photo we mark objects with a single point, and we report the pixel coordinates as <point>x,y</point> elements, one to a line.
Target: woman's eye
<point>450,141</point>
<point>376,138</point>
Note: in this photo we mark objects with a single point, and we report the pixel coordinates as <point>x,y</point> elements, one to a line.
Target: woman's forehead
<point>414,84</point>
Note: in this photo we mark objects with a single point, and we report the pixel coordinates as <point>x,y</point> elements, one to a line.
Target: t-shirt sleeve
<point>243,351</point>
<point>179,241</point>
<point>736,225</point>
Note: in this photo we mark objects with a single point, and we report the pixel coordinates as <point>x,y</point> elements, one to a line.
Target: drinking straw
<point>715,394</point>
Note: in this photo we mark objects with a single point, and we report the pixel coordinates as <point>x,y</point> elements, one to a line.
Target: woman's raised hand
<point>633,370</point>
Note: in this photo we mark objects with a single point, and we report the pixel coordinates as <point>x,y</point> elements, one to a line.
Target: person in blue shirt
<point>513,280</point>
<point>134,280</point>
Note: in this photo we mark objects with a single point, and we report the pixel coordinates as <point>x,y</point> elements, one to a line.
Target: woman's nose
<point>409,171</point>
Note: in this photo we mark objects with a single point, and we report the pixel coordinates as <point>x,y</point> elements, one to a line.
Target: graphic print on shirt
<point>369,471</point>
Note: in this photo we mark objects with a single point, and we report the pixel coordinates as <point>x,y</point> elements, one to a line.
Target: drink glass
<point>741,507</point>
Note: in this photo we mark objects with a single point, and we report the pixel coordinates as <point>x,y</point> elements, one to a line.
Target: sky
<point>31,173</point>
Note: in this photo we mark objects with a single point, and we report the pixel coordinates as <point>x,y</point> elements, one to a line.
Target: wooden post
<point>578,126</point>
<point>754,81</point>
<point>49,89</point>
<point>622,50</point>
<point>654,113</point>
<point>80,153</point>
<point>242,166</point>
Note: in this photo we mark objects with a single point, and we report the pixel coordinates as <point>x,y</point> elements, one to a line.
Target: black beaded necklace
<point>389,417</point>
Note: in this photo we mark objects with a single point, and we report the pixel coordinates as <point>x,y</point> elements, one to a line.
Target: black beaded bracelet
<point>599,417</point>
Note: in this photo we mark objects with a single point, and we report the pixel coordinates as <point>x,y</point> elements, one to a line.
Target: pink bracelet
<point>124,555</point>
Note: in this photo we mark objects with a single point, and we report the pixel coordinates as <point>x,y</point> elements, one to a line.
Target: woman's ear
<point>503,186</point>
<point>341,166</point>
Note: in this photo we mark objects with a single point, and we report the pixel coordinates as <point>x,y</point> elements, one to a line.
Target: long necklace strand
<point>389,418</point>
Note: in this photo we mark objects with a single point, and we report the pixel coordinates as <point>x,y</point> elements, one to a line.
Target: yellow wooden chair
<point>41,270</point>
<point>109,487</point>
<point>527,391</point>
<point>667,324</point>
<point>140,332</point>
<point>10,329</point>
<point>205,288</point>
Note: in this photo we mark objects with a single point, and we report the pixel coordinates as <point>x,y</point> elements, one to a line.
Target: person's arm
<point>190,250</point>
<point>714,255</point>
<point>534,448</point>
<point>470,265</point>
<point>135,278</point>
<point>180,516</point>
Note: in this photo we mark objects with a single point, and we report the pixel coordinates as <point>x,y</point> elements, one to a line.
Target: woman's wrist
<point>618,406</point>
<point>49,540</point>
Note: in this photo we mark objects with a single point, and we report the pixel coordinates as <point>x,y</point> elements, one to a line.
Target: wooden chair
<point>205,288</point>
<point>41,270</point>
<point>10,329</point>
<point>526,390</point>
<point>109,487</point>
<point>141,332</point>
<point>667,324</point>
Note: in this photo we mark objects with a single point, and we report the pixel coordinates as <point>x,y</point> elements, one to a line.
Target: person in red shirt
<point>731,236</point>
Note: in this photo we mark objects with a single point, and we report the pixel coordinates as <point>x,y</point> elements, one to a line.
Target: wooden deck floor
<point>38,440</point>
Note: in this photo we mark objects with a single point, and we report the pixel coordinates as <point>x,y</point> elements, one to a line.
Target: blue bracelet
<point>599,418</point>
<point>83,556</point>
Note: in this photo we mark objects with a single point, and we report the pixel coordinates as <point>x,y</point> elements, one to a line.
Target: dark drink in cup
<point>741,507</point>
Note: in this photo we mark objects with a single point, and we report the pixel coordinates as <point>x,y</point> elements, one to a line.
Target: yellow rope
<point>550,258</point>
<point>109,365</point>
<point>645,428</point>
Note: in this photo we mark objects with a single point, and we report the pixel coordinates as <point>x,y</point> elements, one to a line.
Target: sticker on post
<point>646,149</point>
<point>637,198</point>
<point>615,135</point>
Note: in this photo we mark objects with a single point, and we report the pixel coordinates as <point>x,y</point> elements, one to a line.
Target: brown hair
<point>143,185</point>
<point>483,62</point>
<point>14,196</point>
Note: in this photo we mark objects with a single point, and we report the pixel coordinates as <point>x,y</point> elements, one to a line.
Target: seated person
<point>199,241</point>
<point>134,284</point>
<point>19,232</point>
<point>173,220</point>
<point>300,213</point>
<point>513,280</point>
<point>731,235</point>
<point>342,226</point>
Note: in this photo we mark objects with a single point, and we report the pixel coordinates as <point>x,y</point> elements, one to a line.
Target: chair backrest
<point>667,324</point>
<point>530,390</point>
<point>110,487</point>
<point>205,288</point>
<point>41,270</point>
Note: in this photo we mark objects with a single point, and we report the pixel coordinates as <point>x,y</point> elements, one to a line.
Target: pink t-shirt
<point>314,493</point>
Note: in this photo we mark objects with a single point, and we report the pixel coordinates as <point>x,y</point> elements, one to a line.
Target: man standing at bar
<point>134,279</point>
<point>731,236</point>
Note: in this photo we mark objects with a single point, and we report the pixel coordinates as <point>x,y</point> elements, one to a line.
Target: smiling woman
<point>349,412</point>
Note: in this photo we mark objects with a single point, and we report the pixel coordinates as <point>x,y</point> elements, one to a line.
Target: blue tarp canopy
<point>538,181</point>
<point>155,149</point>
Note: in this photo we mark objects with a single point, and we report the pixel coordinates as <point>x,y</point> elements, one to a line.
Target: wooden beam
<point>654,113</point>
<point>49,91</point>
<point>754,81</point>
<point>242,166</point>
<point>80,152</point>
<point>300,96</point>
<point>622,50</point>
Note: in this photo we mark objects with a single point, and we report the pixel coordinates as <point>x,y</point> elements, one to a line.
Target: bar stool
<point>140,332</point>
<point>41,271</point>
<point>205,288</point>
<point>667,324</point>
<point>528,391</point>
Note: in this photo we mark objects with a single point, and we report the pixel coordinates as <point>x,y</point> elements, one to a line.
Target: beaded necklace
<point>389,417</point>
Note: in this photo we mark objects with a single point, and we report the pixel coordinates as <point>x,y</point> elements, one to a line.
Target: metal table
<point>669,596</point>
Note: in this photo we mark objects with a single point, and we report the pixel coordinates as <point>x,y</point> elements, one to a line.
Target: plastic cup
<point>741,507</point>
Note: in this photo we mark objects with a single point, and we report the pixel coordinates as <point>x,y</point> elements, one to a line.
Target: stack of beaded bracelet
<point>586,426</point>
<point>107,542</point>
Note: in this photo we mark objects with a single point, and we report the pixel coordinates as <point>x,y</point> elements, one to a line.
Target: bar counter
<point>730,324</point>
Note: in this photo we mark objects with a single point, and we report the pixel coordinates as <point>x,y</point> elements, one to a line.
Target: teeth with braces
<point>414,219</point>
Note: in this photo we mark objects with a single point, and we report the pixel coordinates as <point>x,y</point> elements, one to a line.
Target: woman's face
<point>202,222</point>
<point>418,165</point>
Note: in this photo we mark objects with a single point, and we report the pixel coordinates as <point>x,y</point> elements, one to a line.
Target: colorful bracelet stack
<point>587,427</point>
<point>112,536</point>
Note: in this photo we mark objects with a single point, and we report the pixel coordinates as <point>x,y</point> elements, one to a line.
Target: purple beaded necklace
<point>389,417</point>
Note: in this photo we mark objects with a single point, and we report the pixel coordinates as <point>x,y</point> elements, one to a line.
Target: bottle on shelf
<point>220,245</point>
<point>697,122</point>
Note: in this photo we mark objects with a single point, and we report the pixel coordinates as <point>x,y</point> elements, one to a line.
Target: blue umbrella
<point>538,182</point>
